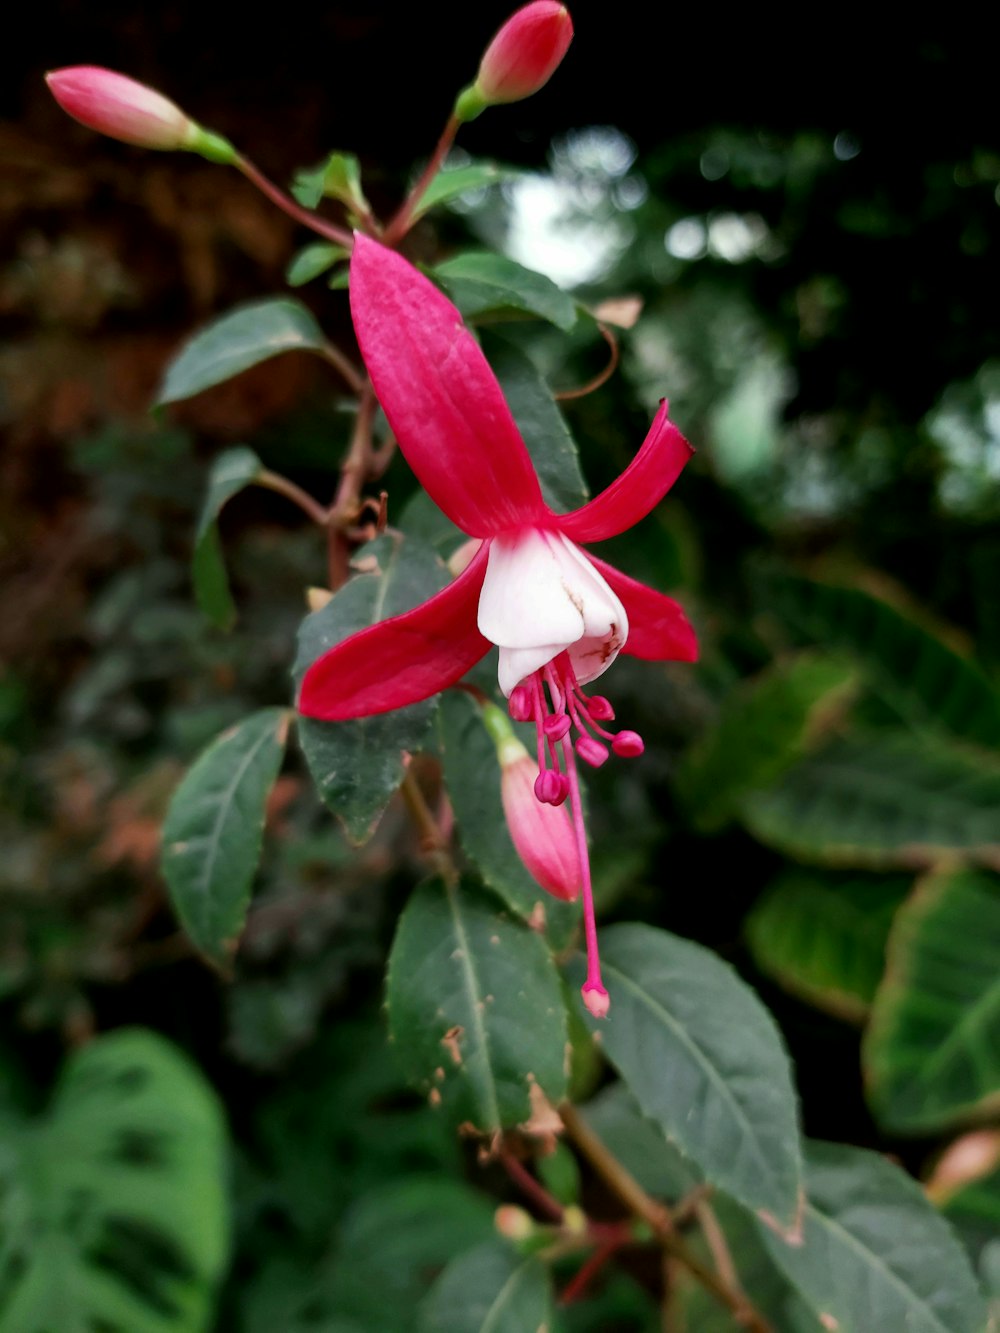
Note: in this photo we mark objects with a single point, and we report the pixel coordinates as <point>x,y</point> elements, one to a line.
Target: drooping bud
<point>520,59</point>
<point>123,109</point>
<point>540,829</point>
<point>513,1222</point>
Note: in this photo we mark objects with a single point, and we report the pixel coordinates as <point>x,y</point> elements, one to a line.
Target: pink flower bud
<point>520,59</point>
<point>542,833</point>
<point>124,109</point>
<point>525,53</point>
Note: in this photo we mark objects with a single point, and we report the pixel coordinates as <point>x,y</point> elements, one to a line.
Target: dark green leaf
<point>917,673</point>
<point>482,283</point>
<point>491,1289</point>
<point>553,450</point>
<point>824,938</point>
<point>358,765</point>
<point>932,1055</point>
<point>231,472</point>
<point>640,1144</point>
<point>875,1255</point>
<point>881,801</point>
<point>763,728</point>
<point>455,181</point>
<point>115,1212</point>
<point>236,341</point>
<point>311,261</point>
<point>472,776</point>
<point>475,1007</point>
<point>214,827</point>
<point>704,1060</point>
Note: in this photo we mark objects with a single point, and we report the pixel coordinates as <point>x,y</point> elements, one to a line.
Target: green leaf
<point>485,284</point>
<point>640,1144</point>
<point>881,801</point>
<point>358,765</point>
<point>472,776</point>
<point>491,1289</point>
<point>914,671</point>
<point>761,730</point>
<point>235,342</point>
<point>475,1008</point>
<point>553,450</point>
<point>337,177</point>
<point>931,1055</point>
<point>231,472</point>
<point>704,1060</point>
<point>115,1213</point>
<point>215,825</point>
<point>452,182</point>
<point>875,1255</point>
<point>824,938</point>
<point>311,261</point>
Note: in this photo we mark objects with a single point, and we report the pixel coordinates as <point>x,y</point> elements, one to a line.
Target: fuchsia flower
<point>559,616</point>
<point>540,831</point>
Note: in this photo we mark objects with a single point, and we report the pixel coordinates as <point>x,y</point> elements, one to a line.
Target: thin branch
<point>288,205</point>
<point>631,1193</point>
<point>533,1189</point>
<point>715,1238</point>
<point>274,481</point>
<point>433,840</point>
<point>403,220</point>
<point>565,394</point>
<point>576,1288</point>
<point>339,361</point>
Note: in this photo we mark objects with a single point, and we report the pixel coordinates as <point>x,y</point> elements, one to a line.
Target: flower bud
<point>520,59</point>
<point>124,109</point>
<point>513,1222</point>
<point>542,833</point>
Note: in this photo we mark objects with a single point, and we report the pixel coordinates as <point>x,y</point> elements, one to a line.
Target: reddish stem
<point>576,1289</point>
<point>288,205</point>
<point>537,1193</point>
<point>403,220</point>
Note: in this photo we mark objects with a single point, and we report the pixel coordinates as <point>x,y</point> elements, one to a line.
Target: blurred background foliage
<point>812,229</point>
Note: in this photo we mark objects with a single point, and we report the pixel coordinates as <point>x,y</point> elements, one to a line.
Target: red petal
<point>639,489</point>
<point>442,400</point>
<point>658,630</point>
<point>402,660</point>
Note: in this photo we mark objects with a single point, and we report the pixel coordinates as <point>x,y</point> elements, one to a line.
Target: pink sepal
<point>402,660</point>
<point>442,399</point>
<point>639,489</point>
<point>658,628</point>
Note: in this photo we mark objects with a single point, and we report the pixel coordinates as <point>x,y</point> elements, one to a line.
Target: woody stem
<point>631,1193</point>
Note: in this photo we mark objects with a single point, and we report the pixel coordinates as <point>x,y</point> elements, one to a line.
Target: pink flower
<point>119,107</point>
<point>559,616</point>
<point>525,53</point>
<point>542,833</point>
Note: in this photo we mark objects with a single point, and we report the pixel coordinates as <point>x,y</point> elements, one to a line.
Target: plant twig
<point>433,840</point>
<point>631,1193</point>
<point>274,481</point>
<point>403,220</point>
<point>565,394</point>
<point>533,1189</point>
<point>576,1288</point>
<point>288,205</point>
<point>339,361</point>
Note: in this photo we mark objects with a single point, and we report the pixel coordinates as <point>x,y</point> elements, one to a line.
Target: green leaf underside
<point>491,1289</point>
<point>552,448</point>
<point>932,1053</point>
<point>453,182</point>
<point>231,472</point>
<point>824,939</point>
<point>115,1208</point>
<point>481,283</point>
<point>761,731</point>
<point>475,1008</point>
<point>640,1144</point>
<point>875,1254</point>
<point>358,765</point>
<point>881,801</point>
<point>238,340</point>
<point>311,261</point>
<point>704,1060</point>
<point>917,673</point>
<point>214,828</point>
<point>472,776</point>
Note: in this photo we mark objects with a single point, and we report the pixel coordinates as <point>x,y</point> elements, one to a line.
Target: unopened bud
<point>540,830</point>
<point>123,109</point>
<point>513,1223</point>
<point>596,998</point>
<point>520,59</point>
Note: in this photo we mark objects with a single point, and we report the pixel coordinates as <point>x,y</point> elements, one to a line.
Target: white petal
<point>527,599</point>
<point>517,663</point>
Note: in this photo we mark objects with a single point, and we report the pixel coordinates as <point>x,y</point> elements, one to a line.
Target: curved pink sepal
<point>442,399</point>
<point>659,631</point>
<point>402,660</point>
<point>639,489</point>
